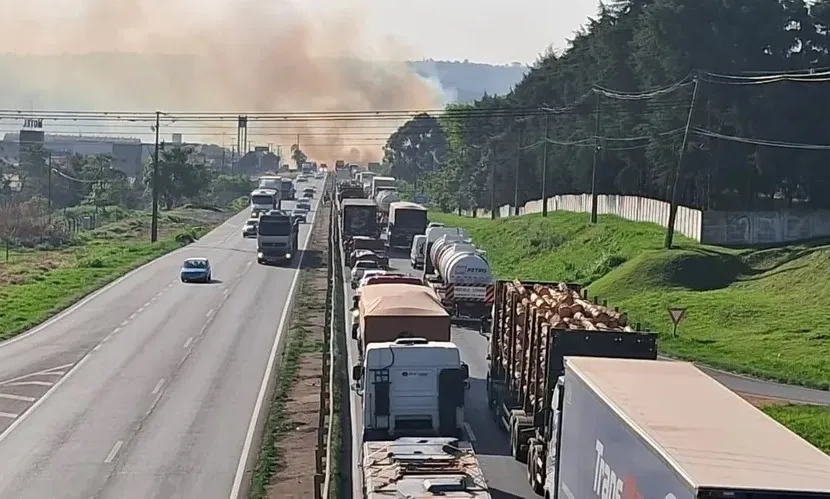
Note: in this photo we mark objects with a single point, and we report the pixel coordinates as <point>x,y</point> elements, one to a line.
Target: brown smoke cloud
<point>250,56</point>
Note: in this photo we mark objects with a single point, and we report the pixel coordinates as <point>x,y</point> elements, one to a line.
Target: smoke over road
<point>215,56</point>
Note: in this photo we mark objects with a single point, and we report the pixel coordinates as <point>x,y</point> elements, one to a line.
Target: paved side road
<point>148,388</point>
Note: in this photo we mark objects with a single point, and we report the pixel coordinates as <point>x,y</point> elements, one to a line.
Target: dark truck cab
<point>358,218</point>
<point>277,237</point>
<point>406,220</point>
<point>376,246</point>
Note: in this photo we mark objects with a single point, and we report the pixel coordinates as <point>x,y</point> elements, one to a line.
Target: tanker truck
<point>463,278</point>
<point>383,200</point>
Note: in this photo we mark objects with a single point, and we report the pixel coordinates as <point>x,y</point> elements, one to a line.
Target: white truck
<point>264,200</point>
<point>383,183</point>
<point>624,428</point>
<point>459,273</point>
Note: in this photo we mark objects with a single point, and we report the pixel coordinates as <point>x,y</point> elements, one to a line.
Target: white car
<point>368,274</point>
<point>359,268</point>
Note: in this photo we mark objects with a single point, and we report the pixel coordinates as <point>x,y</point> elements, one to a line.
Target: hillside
<point>760,312</point>
<point>469,81</point>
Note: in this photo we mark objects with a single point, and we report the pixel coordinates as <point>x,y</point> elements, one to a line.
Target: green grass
<point>759,312</point>
<point>36,284</point>
<point>812,423</point>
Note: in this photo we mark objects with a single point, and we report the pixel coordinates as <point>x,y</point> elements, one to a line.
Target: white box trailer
<point>654,429</point>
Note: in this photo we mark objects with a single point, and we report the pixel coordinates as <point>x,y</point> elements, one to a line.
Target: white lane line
<point>98,346</point>
<point>263,387</point>
<point>225,292</point>
<point>43,399</point>
<point>141,309</point>
<point>132,316</point>
<point>115,331</point>
<point>158,386</point>
<point>9,415</point>
<point>124,323</point>
<point>21,398</point>
<point>470,434</point>
<point>114,452</point>
<point>30,383</point>
<point>209,313</point>
<point>147,304</point>
<point>188,342</point>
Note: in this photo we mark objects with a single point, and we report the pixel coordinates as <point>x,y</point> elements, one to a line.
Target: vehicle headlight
<point>260,255</point>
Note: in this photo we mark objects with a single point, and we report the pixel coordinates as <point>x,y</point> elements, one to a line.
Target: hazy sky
<point>494,31</point>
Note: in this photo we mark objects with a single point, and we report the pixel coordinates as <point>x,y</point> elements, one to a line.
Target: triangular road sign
<point>676,314</point>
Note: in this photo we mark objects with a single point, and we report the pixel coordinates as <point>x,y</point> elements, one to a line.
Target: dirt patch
<point>761,402</point>
<point>296,467</point>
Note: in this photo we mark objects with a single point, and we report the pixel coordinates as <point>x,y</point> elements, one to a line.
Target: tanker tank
<point>384,199</point>
<point>460,263</point>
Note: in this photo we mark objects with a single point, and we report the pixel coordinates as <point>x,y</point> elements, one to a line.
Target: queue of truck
<point>578,389</point>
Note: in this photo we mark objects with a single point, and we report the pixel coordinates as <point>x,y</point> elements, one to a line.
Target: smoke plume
<point>232,56</point>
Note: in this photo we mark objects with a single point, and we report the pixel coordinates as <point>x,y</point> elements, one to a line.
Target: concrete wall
<point>727,228</point>
<point>634,208</point>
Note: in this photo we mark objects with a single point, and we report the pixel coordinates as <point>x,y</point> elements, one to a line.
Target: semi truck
<point>383,183</point>
<point>646,428</point>
<point>406,220</point>
<point>387,312</point>
<point>350,190</point>
<point>358,218</point>
<point>459,273</point>
<point>534,326</point>
<point>277,237</point>
<point>287,191</point>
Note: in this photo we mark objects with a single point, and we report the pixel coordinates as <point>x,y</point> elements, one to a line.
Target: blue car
<point>196,270</point>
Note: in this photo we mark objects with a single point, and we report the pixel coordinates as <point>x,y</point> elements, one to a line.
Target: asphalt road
<point>147,389</point>
<point>507,477</point>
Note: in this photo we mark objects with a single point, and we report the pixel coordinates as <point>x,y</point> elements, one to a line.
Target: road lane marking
<point>209,313</point>
<point>158,386</point>
<point>225,292</point>
<point>21,398</point>
<point>141,309</point>
<point>43,399</point>
<point>147,304</point>
<point>132,316</point>
<point>9,415</point>
<point>236,489</point>
<point>115,331</point>
<point>125,323</point>
<point>30,383</point>
<point>114,452</point>
<point>188,342</point>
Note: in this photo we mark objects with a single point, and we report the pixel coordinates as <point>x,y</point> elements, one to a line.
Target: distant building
<point>128,154</point>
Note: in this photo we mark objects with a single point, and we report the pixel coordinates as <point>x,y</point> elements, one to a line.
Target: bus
<point>263,200</point>
<point>269,182</point>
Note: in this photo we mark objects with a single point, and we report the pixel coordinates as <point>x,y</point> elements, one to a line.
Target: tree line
<point>37,192</point>
<point>741,87</point>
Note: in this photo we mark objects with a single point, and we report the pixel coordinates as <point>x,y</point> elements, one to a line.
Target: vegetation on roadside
<point>298,344</point>
<point>759,312</point>
<point>811,422</point>
<point>37,283</point>
<point>301,341</point>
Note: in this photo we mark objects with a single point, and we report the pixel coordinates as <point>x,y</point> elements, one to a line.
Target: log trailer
<point>534,326</point>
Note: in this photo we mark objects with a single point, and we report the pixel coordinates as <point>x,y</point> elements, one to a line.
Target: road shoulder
<point>286,465</point>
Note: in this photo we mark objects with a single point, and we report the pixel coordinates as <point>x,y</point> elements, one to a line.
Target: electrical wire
<point>761,142</point>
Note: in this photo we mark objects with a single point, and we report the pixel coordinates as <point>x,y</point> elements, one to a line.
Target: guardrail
<point>324,457</point>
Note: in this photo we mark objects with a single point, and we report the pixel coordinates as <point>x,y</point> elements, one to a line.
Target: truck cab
<point>277,237</point>
<point>399,381</point>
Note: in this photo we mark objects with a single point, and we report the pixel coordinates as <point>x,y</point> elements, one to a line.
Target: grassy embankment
<point>758,312</point>
<point>37,283</point>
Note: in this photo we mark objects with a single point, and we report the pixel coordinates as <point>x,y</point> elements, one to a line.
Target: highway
<point>149,388</point>
<point>507,477</point>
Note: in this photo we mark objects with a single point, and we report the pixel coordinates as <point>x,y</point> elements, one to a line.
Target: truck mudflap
<point>466,303</point>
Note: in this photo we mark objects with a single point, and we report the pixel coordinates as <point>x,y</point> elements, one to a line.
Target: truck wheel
<point>515,451</point>
<point>531,465</point>
<point>538,455</point>
<point>518,422</point>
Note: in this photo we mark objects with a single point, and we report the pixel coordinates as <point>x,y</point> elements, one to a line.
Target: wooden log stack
<point>559,308</point>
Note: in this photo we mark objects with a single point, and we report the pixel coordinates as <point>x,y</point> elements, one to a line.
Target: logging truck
<point>534,326</point>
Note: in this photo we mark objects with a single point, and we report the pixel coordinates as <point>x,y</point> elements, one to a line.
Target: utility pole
<point>518,161</point>
<point>667,243</point>
<point>597,149</point>
<point>49,190</point>
<point>493,190</point>
<point>154,228</point>
<point>545,168</point>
